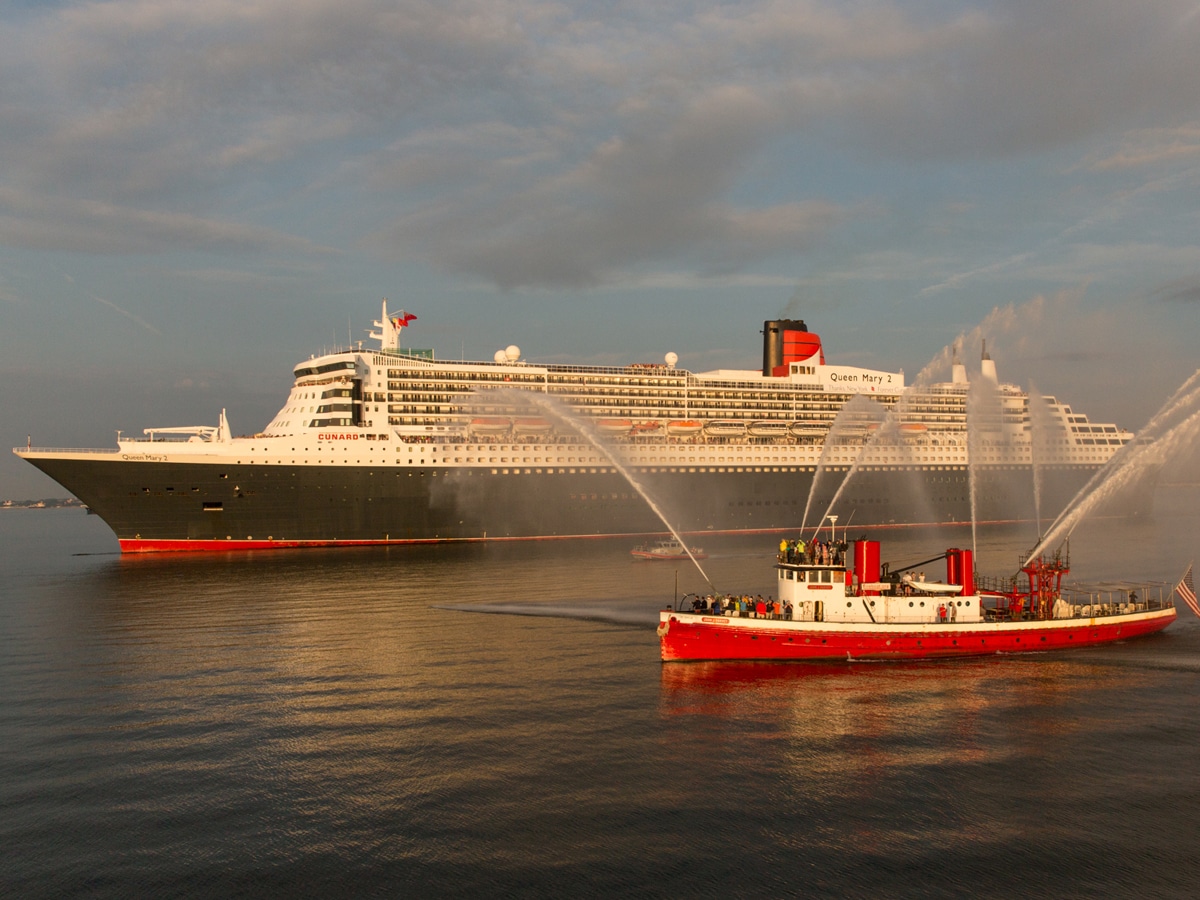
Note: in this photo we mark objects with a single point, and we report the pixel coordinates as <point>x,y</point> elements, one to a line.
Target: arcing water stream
<point>564,415</point>
<point>1163,437</point>
<point>1039,437</point>
<point>860,413</point>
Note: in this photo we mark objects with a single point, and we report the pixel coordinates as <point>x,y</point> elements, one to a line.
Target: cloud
<point>1183,290</point>
<point>1149,147</point>
<point>44,223</point>
<point>645,195</point>
<point>136,318</point>
<point>524,143</point>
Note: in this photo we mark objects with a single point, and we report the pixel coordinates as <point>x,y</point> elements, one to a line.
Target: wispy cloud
<point>1149,147</point>
<point>136,318</point>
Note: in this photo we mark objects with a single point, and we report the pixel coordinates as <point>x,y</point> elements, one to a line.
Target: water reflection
<point>909,714</point>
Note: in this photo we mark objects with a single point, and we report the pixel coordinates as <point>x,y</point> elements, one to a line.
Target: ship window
<point>212,506</point>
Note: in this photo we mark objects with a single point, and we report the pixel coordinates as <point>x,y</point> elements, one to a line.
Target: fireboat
<point>829,609</point>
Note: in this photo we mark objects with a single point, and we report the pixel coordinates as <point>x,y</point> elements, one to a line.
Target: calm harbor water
<point>494,721</point>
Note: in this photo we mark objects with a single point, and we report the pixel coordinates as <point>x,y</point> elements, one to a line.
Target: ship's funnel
<point>987,367</point>
<point>786,341</point>
<point>866,564</point>
<point>960,569</point>
<point>958,370</point>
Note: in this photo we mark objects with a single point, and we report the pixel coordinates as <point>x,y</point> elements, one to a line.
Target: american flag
<point>1187,591</point>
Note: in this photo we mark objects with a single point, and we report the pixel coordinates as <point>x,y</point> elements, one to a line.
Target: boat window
<point>826,576</point>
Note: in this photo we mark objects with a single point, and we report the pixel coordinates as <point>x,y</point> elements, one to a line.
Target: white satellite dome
<point>512,352</point>
<point>672,358</point>
<point>499,356</point>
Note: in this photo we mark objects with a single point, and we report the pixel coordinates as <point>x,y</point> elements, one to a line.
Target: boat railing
<point>1084,601</point>
<point>702,604</point>
<point>66,450</point>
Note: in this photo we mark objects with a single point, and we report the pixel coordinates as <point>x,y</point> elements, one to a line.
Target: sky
<point>195,197</point>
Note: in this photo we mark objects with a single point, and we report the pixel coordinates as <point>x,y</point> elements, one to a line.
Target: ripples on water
<point>342,722</point>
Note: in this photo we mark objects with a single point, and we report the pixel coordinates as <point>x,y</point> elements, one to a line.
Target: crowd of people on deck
<point>814,553</point>
<point>743,605</point>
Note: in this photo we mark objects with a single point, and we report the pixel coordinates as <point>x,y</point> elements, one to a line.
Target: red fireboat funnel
<point>866,564</point>
<point>960,569</point>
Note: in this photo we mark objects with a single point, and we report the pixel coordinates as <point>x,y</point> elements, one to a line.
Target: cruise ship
<point>390,445</point>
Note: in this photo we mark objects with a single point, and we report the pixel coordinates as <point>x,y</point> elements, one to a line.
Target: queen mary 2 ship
<point>394,445</point>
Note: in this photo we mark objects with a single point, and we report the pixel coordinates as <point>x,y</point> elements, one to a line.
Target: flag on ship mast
<point>1187,591</point>
<point>402,319</point>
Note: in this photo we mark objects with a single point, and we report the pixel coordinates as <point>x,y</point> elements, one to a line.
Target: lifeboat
<point>684,427</point>
<point>806,429</point>
<point>531,425</point>
<point>491,424</point>
<point>725,428</point>
<point>913,428</point>
<point>614,426</point>
<point>646,427</point>
<point>768,429</point>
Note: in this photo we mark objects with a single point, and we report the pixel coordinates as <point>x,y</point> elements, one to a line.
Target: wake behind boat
<point>830,610</point>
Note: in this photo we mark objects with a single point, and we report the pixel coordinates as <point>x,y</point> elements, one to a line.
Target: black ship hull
<point>201,506</point>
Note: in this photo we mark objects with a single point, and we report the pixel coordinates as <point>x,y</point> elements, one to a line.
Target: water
<point>546,404</point>
<point>319,723</point>
<point>1165,442</point>
<point>859,414</point>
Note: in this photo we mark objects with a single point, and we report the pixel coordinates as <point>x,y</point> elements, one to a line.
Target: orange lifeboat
<point>490,424</point>
<point>531,425</point>
<point>684,427</point>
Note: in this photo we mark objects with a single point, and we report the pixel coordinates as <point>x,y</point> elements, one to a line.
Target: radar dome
<point>512,352</point>
<point>671,359</point>
<point>499,356</point>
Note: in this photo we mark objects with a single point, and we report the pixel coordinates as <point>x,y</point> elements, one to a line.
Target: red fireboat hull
<point>687,636</point>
